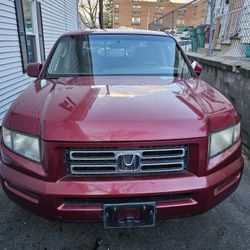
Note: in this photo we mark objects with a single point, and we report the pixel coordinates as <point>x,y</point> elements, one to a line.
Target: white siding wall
<point>59,16</point>
<point>72,15</point>
<point>12,79</point>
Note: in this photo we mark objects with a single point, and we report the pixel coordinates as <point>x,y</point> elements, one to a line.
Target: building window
<point>136,8</point>
<point>116,7</point>
<point>30,31</point>
<point>182,10</point>
<point>159,21</point>
<point>136,20</point>
<point>180,21</point>
<point>159,9</point>
<point>116,19</point>
<point>28,15</point>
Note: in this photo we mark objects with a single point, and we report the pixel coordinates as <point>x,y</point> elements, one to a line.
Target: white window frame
<point>35,28</point>
<point>136,20</point>
<point>136,8</point>
<point>159,9</point>
<point>37,31</point>
<point>116,19</point>
<point>34,17</point>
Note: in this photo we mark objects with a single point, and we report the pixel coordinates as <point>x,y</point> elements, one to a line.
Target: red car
<point>118,128</point>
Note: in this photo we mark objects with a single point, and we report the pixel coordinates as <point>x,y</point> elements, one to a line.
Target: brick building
<point>139,14</point>
<point>196,13</point>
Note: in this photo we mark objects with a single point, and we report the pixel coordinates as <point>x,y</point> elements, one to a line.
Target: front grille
<point>126,161</point>
<point>98,201</point>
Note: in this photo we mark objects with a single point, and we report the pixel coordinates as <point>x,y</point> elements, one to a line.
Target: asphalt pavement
<point>225,227</point>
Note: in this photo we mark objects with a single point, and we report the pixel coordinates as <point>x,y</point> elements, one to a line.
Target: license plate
<point>127,215</point>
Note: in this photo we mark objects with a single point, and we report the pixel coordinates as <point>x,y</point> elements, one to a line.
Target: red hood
<point>117,109</point>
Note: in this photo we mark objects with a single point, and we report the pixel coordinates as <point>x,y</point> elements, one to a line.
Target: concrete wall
<point>232,78</point>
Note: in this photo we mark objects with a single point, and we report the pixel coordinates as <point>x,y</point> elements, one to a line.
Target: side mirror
<point>197,67</point>
<point>34,69</point>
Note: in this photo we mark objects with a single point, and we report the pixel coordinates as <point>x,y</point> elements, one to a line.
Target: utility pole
<point>172,23</point>
<point>101,13</point>
<point>212,9</point>
<point>148,19</point>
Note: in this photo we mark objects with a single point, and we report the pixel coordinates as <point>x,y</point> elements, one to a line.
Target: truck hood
<point>114,109</point>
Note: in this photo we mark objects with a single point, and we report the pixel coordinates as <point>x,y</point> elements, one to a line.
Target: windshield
<point>117,55</point>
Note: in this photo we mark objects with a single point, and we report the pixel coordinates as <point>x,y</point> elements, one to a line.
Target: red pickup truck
<point>117,127</point>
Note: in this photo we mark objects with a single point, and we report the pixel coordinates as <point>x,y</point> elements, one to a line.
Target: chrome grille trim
<point>180,150</point>
<point>177,166</point>
<point>83,168</point>
<point>106,160</point>
<point>72,157</point>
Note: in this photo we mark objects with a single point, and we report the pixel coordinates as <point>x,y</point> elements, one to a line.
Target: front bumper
<point>81,199</point>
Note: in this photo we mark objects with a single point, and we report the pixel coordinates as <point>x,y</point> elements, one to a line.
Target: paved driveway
<point>225,227</point>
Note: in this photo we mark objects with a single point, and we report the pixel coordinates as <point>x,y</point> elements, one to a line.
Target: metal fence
<point>182,21</point>
<point>190,25</point>
<point>232,29</point>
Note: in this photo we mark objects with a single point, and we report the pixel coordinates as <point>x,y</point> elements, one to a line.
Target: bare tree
<point>108,14</point>
<point>88,9</point>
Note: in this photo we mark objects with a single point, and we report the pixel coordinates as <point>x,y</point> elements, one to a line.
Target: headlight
<point>224,139</point>
<point>25,145</point>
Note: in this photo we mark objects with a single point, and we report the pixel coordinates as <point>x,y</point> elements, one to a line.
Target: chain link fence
<point>185,24</point>
<point>232,29</point>
<point>190,25</point>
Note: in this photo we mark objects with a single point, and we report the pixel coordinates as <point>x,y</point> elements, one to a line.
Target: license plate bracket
<point>127,215</point>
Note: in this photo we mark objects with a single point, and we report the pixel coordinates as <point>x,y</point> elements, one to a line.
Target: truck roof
<point>117,31</point>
